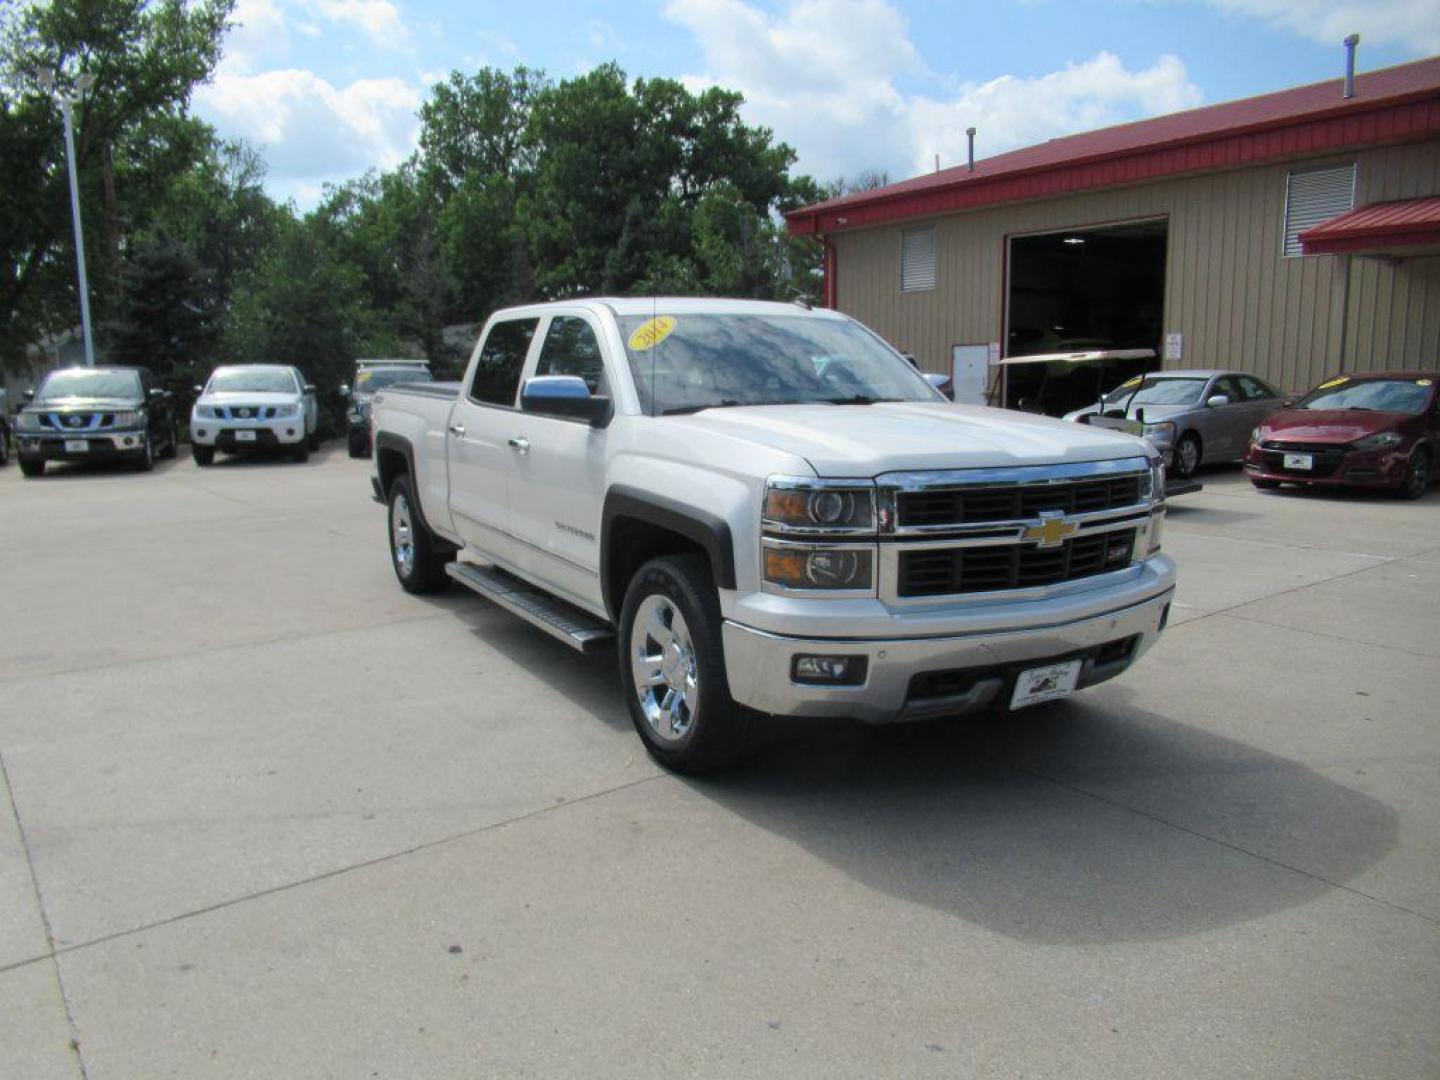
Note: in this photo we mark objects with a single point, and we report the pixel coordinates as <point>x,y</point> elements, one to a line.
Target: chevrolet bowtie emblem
<point>1050,532</point>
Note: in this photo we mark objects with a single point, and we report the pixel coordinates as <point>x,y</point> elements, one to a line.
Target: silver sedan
<point>1194,418</point>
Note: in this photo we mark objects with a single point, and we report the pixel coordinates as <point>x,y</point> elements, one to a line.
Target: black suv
<point>368,380</point>
<point>95,414</point>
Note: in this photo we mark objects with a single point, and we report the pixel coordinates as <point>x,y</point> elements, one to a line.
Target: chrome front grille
<point>1023,530</point>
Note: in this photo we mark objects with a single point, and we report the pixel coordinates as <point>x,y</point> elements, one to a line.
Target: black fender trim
<point>388,440</point>
<point>712,533</point>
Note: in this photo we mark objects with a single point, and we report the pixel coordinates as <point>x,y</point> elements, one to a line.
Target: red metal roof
<point>1379,226</point>
<point>1390,105</point>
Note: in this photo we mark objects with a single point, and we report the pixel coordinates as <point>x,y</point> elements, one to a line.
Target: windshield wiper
<point>857,399</point>
<point>726,403</point>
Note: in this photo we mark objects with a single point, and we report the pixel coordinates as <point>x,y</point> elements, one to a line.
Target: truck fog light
<point>829,670</point>
<point>289,431</point>
<point>201,432</point>
<point>129,441</point>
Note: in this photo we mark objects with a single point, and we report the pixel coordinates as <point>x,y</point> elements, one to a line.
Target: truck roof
<point>678,305</point>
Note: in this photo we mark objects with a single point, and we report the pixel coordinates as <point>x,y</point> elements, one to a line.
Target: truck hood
<point>867,440</point>
<point>242,398</point>
<point>81,404</point>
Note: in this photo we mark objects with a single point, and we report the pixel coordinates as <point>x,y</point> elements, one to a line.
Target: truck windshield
<point>253,381</point>
<point>1373,395</point>
<point>90,384</point>
<point>685,363</point>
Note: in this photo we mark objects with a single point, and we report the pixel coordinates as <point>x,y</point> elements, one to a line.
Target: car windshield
<point>685,363</point>
<point>1376,395</point>
<point>372,379</point>
<point>90,384</point>
<point>1167,392</point>
<point>252,381</point>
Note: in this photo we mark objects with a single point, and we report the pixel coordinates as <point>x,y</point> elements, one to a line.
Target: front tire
<point>203,455</point>
<point>300,452</point>
<point>359,446</point>
<point>32,468</point>
<point>418,560</point>
<point>1187,455</point>
<point>172,447</point>
<point>672,667</point>
<point>146,459</point>
<point>1417,476</point>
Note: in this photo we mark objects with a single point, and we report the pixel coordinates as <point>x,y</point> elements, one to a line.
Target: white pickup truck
<point>774,513</point>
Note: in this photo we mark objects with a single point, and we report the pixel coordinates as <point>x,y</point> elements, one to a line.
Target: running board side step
<point>578,629</point>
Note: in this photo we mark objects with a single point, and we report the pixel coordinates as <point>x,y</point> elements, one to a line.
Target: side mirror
<point>344,390</point>
<point>1289,401</point>
<point>911,357</point>
<point>198,389</point>
<point>309,388</point>
<point>564,396</point>
<point>156,393</point>
<point>940,382</point>
<point>30,394</point>
<point>1214,401</point>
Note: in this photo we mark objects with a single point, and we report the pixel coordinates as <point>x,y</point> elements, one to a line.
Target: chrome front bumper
<point>972,671</point>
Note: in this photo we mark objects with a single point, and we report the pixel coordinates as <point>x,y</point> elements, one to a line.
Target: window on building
<point>497,372</point>
<point>1313,196</point>
<point>571,349</point>
<point>917,260</point>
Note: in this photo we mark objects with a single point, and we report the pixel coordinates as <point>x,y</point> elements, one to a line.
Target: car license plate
<point>76,446</point>
<point>1299,461</point>
<point>1045,684</point>
<point>244,436</point>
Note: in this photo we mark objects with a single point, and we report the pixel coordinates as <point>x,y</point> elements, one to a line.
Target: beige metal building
<point>1294,235</point>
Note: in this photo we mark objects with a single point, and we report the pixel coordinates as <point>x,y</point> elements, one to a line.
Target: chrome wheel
<point>662,660</point>
<point>402,538</point>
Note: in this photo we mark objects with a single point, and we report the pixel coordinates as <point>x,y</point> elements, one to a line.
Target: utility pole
<point>67,98</point>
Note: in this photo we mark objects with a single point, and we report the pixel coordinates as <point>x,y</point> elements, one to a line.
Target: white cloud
<point>379,19</point>
<point>311,131</point>
<point>602,37</point>
<point>259,33</point>
<point>1412,24</point>
<point>823,74</point>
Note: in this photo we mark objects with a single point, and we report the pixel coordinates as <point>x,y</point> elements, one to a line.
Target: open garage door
<point>1094,290</point>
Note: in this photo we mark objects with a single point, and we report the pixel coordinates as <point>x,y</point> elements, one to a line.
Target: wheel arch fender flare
<point>392,443</point>
<point>708,531</point>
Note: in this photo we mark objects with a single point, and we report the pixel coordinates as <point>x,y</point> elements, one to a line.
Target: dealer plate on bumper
<point>76,446</point>
<point>1299,461</point>
<point>244,436</point>
<point>1045,683</point>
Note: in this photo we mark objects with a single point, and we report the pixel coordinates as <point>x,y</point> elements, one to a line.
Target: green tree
<point>145,57</point>
<point>166,315</point>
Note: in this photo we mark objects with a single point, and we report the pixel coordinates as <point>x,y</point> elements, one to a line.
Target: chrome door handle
<point>520,444</point>
<point>457,430</point>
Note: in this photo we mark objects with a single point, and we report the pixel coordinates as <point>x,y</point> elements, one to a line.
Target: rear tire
<point>4,447</point>
<point>1417,476</point>
<point>172,447</point>
<point>672,667</point>
<point>203,455</point>
<point>33,468</point>
<point>313,440</point>
<point>419,561</point>
<point>359,447</point>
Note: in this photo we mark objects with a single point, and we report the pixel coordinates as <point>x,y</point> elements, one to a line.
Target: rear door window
<point>497,370</point>
<point>571,348</point>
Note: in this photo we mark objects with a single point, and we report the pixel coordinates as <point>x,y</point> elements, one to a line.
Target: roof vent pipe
<point>1350,43</point>
<point>970,134</point>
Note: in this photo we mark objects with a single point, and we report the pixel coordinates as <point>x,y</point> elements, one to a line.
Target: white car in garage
<point>250,407</point>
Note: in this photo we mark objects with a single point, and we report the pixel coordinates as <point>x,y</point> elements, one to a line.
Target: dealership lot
<point>267,815</point>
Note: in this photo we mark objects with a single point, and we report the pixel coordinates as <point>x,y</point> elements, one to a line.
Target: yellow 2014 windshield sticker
<point>1334,382</point>
<point>1131,382</point>
<point>651,332</point>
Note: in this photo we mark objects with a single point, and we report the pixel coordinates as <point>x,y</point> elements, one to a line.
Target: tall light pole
<point>68,97</point>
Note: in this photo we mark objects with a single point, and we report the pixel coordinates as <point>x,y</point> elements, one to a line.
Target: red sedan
<point>1376,431</point>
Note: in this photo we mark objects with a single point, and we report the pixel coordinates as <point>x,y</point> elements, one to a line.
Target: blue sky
<point>328,88</point>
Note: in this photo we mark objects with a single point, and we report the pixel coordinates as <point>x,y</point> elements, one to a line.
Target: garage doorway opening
<point>1090,300</point>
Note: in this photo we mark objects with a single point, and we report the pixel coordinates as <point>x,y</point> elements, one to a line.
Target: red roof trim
<point>1407,223</point>
<point>1395,105</point>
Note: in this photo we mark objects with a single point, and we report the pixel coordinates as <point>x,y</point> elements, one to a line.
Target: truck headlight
<point>819,567</point>
<point>818,507</point>
<point>287,410</point>
<point>130,418</point>
<point>1152,485</point>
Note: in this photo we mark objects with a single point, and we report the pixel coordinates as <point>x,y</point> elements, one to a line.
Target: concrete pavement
<point>265,815</point>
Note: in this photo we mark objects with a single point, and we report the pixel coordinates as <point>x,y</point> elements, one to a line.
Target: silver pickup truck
<point>769,511</point>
